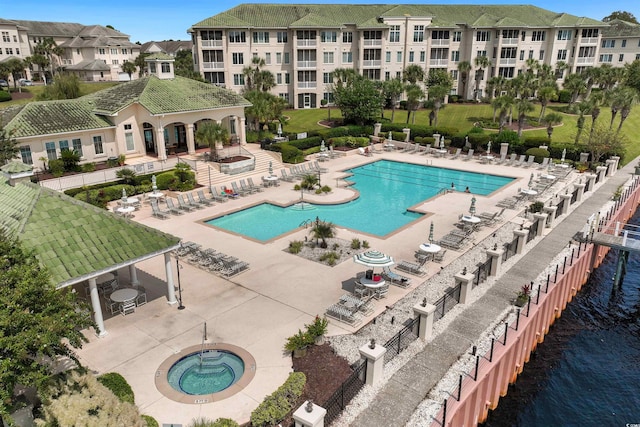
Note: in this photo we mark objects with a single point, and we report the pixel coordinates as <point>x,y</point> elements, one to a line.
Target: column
<point>522,239</point>
<point>580,188</point>
<point>309,415</point>
<point>542,218</point>
<point>591,181</point>
<point>191,144</point>
<point>133,273</point>
<point>504,149</point>
<point>550,211</point>
<point>241,131</point>
<point>567,202</point>
<point>377,129</point>
<point>602,173</point>
<point>97,308</point>
<point>375,361</point>
<point>171,292</point>
<point>496,260</point>
<point>160,144</point>
<point>465,280</point>
<point>426,313</point>
<point>407,133</point>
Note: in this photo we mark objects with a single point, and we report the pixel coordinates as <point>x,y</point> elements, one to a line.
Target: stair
<point>218,178</point>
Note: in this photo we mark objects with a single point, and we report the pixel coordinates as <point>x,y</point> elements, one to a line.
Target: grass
<point>85,89</point>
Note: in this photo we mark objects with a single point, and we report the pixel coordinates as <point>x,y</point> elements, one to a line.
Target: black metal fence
<point>349,388</point>
<point>533,230</point>
<point>402,339</point>
<point>510,249</point>
<point>574,196</point>
<point>481,273</point>
<point>559,208</point>
<point>447,302</point>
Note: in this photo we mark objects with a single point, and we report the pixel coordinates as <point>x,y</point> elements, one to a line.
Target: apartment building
<point>303,44</point>
<point>94,52</point>
<point>620,43</point>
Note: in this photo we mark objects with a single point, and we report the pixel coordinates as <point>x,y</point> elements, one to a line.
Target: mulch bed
<point>21,95</point>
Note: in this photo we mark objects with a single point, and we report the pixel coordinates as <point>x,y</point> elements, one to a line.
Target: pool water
<point>386,188</point>
<point>215,371</point>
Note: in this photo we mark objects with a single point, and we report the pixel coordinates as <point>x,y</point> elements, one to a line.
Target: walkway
<point>410,385</point>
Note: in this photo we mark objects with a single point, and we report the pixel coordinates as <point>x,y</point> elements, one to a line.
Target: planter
<point>319,340</point>
<point>237,166</point>
<point>299,352</point>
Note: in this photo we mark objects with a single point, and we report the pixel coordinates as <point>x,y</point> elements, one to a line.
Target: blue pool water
<point>216,371</point>
<point>387,189</point>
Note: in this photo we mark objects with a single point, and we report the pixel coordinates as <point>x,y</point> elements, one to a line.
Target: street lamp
<point>178,267</point>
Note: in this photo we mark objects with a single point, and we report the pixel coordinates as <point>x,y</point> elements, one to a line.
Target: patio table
<point>125,210</point>
<point>124,295</point>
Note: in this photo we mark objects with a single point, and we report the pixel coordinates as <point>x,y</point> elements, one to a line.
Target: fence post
<point>550,211</point>
<point>465,280</point>
<point>567,201</point>
<point>309,415</point>
<point>374,354</point>
<point>426,313</point>
<point>591,181</point>
<point>521,235</point>
<point>496,260</point>
<point>602,173</point>
<point>580,193</point>
<point>542,220</point>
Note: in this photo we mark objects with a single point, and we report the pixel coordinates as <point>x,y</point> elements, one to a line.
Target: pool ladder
<point>305,223</point>
<point>204,338</point>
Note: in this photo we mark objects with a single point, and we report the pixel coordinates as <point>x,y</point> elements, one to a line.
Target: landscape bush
<point>118,386</point>
<point>56,167</point>
<point>277,405</point>
<point>539,153</point>
<point>564,96</point>
<point>151,422</point>
<point>291,154</point>
<point>4,96</point>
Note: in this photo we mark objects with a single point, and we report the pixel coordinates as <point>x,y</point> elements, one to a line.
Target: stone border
<point>163,386</point>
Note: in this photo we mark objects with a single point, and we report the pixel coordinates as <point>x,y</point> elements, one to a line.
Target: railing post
<point>493,341</point>
<point>374,355</point>
<point>465,280</point>
<point>426,313</point>
<point>496,258</point>
<point>309,415</point>
<point>459,388</point>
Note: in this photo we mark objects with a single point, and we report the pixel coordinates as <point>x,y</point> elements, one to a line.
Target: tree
<point>66,86</point>
<point>15,66</point>
<point>393,90</point>
<point>503,104</point>
<point>523,106</point>
<point>630,100</point>
<point>464,67</point>
<point>264,108</point>
<point>546,94</point>
<point>41,61</point>
<point>359,100</point>
<point>141,63</point>
<point>604,140</point>
<point>212,134</point>
<point>622,15</point>
<point>583,108</point>
<point>414,97</point>
<point>595,100</point>
<point>552,119</point>
<point>632,75</point>
<point>50,49</point>
<point>39,322</point>
<point>576,85</point>
<point>129,68</point>
<point>8,146</point>
<point>309,181</point>
<point>322,230</point>
<point>183,65</point>
<point>439,85</point>
<point>413,74</point>
<point>481,62</point>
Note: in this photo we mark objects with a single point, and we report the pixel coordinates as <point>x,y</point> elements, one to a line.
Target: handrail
<point>306,222</point>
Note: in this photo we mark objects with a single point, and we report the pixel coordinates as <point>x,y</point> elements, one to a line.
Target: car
<point>4,83</point>
<point>25,82</point>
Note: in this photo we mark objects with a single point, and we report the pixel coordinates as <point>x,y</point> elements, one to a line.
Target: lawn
<point>85,89</point>
<point>462,117</point>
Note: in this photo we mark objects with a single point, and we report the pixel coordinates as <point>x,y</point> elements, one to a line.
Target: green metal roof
<point>619,28</point>
<point>364,16</point>
<point>71,238</point>
<point>16,166</point>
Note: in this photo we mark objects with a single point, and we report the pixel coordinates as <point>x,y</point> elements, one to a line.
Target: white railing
<point>586,60</point>
<point>513,41</point>
<point>438,62</point>
<point>211,43</point>
<point>306,42</point>
<point>439,42</point>
<point>307,85</point>
<point>371,63</point>
<point>507,61</point>
<point>589,40</point>
<point>307,64</point>
<point>213,65</point>
<point>372,42</point>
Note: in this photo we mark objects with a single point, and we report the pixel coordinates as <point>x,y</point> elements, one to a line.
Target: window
<point>398,74</point>
<point>524,36</point>
<point>372,35</point>
<point>166,67</point>
<point>101,51</point>
<point>238,79</point>
<point>17,51</point>
<point>282,36</point>
<point>510,34</point>
<point>217,78</point>
<point>128,140</point>
<point>267,58</point>
<point>538,36</point>
<point>455,55</point>
<point>286,57</point>
<point>372,74</point>
<point>76,143</point>
<point>522,55</point>
<point>25,153</point>
<point>64,145</point>
<point>564,35</point>
<point>279,78</point>
<point>237,58</point>
<point>481,53</point>
<point>590,32</point>
<point>327,57</point>
<point>328,96</point>
<point>457,36</point>
<point>237,37</point>
<point>418,33</point>
<point>347,37</point>
<point>97,145</point>
<point>562,55</point>
<point>541,55</point>
<point>387,75</point>
<point>372,55</point>
<point>422,56</point>
<point>0,51</point>
<point>608,57</point>
<point>454,75</point>
<point>410,56</point>
<point>347,57</point>
<point>214,56</point>
<point>387,56</point>
<point>287,78</point>
<point>506,72</point>
<point>399,56</point>
<point>608,43</point>
<point>637,55</point>
<point>621,57</point>
<point>328,36</point>
<point>114,62</point>
<point>284,96</point>
<point>5,37</point>
<point>483,36</point>
<point>394,34</point>
<point>327,78</point>
<point>530,54</point>
<point>508,52</point>
<point>211,35</point>
<point>278,58</point>
<point>587,52</point>
<point>440,35</point>
<point>261,36</point>
<point>114,51</point>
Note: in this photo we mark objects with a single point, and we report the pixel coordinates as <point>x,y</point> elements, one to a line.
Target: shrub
<point>127,175</point>
<point>475,129</point>
<point>330,258</point>
<point>298,341</point>
<point>291,154</point>
<point>206,422</point>
<point>165,180</point>
<point>326,189</point>
<point>318,327</point>
<point>56,167</point>
<point>151,422</point>
<point>539,153</point>
<point>508,136</point>
<point>295,246</point>
<point>536,207</point>
<point>349,141</point>
<point>277,405</point>
<point>4,96</point>
<point>297,187</point>
<point>318,191</point>
<point>70,160</point>
<point>253,136</point>
<point>88,167</point>
<point>112,162</point>
<point>564,96</point>
<point>365,244</point>
<point>118,385</point>
<point>355,243</point>
<point>303,144</point>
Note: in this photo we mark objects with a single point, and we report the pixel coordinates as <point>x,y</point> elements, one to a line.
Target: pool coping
<point>163,386</point>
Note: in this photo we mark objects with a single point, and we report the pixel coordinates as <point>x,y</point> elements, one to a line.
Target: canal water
<point>587,371</point>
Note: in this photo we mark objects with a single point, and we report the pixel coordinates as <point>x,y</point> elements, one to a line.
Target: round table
<point>125,210</point>
<point>441,152</point>
<point>529,192</point>
<point>123,295</point>
<point>471,219</point>
<point>430,248</point>
<point>131,201</point>
<point>372,284</point>
<point>270,180</point>
<point>156,195</point>
<point>550,177</point>
<point>562,165</point>
<point>389,146</point>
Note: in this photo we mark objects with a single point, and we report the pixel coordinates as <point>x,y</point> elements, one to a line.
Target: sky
<point>147,20</point>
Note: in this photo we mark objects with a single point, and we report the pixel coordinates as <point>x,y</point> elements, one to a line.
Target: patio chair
<point>457,153</point>
<point>502,159</point>
<point>439,256</point>
<point>257,188</point>
<point>410,267</point>
<point>469,155</point>
<point>544,164</point>
<point>512,158</point>
<point>192,202</point>
<point>230,193</point>
<point>381,292</point>
<point>217,197</point>
<point>286,177</point>
<point>203,199</point>
<point>127,308</point>
<point>319,168</point>
<point>529,162</point>
<point>172,207</point>
<point>246,187</point>
<point>141,299</point>
<point>157,212</point>
<point>184,206</point>
<point>343,314</point>
<point>395,278</point>
<point>112,306</point>
<point>238,190</point>
<point>520,160</point>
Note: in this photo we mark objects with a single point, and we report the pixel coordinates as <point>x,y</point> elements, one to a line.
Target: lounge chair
<point>457,153</point>
<point>230,193</point>
<point>469,155</point>
<point>319,168</point>
<point>203,199</point>
<point>521,160</point>
<point>157,212</point>
<point>512,158</point>
<point>343,314</point>
<point>411,267</point>
<point>173,208</point>
<point>529,162</point>
<point>439,256</point>
<point>395,278</point>
<point>182,202</point>
<point>218,197</point>
<point>238,190</point>
<point>286,177</point>
<point>502,159</point>
<point>257,188</point>
<point>245,187</point>
<point>193,202</point>
<point>544,164</point>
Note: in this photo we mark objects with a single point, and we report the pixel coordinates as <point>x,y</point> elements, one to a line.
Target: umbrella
<point>124,195</point>
<point>531,181</point>
<point>270,168</point>
<point>564,153</point>
<point>322,147</point>
<point>489,147</point>
<point>431,232</point>
<point>373,258</point>
<point>154,187</point>
<point>390,136</point>
<point>472,208</point>
<point>279,129</point>
<point>442,142</point>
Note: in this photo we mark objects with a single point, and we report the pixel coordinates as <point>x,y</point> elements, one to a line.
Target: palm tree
<point>140,63</point>
<point>503,104</point>
<point>323,230</point>
<point>309,181</point>
<point>576,85</point>
<point>591,76</point>
<point>463,68</point>
<point>495,86</point>
<point>212,134</point>
<point>15,66</point>
<point>49,48</point>
<point>630,100</point>
<point>413,74</point>
<point>595,100</point>
<point>414,96</point>
<point>583,108</point>
<point>617,98</point>
<point>393,90</point>
<point>481,62</point>
<point>523,106</point>
<point>552,119</point>
<point>129,68</point>
<point>546,93</point>
<point>436,99</point>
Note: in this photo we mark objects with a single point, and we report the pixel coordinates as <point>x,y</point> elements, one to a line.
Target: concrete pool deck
<point>258,309</point>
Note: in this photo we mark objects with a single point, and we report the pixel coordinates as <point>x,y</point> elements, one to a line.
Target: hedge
<point>350,141</point>
<point>118,386</point>
<point>4,96</point>
<point>303,144</point>
<point>276,406</point>
<point>151,422</point>
<point>539,153</point>
<point>291,154</point>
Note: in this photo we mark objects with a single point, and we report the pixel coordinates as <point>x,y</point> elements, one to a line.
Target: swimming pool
<point>387,188</point>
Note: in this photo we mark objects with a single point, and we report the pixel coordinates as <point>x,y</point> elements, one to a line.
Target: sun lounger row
<point>362,305</point>
<point>455,239</point>
<point>411,268</point>
<point>343,314</point>
<point>210,259</point>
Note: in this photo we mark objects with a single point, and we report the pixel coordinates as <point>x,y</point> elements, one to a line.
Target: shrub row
<point>118,386</point>
<point>349,141</point>
<point>419,130</point>
<point>277,405</point>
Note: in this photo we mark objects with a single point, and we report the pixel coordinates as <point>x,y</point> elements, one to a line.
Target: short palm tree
<point>212,134</point>
<point>323,230</point>
<point>552,119</point>
<point>309,182</point>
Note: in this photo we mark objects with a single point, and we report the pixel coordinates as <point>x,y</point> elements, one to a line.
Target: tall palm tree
<point>413,74</point>
<point>212,134</point>
<point>576,85</point>
<point>552,119</point>
<point>630,100</point>
<point>414,96</point>
<point>523,106</point>
<point>140,63</point>
<point>495,86</point>
<point>591,76</point>
<point>129,68</point>
<point>50,49</point>
<point>436,99</point>
<point>464,67</point>
<point>583,108</point>
<point>481,62</point>
<point>393,90</point>
<point>546,93</point>
<point>595,100</point>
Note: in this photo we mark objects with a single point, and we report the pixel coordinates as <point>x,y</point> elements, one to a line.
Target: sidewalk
<point>410,385</point>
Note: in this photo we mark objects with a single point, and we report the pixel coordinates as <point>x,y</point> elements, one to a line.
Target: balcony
<point>588,40</point>
<point>211,43</point>
<point>306,43</point>
<point>307,85</point>
<point>371,63</point>
<point>507,61</point>
<point>372,42</point>
<point>307,64</point>
<point>213,65</point>
<point>439,42</point>
<point>510,42</point>
<point>586,60</point>
<point>438,62</point>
